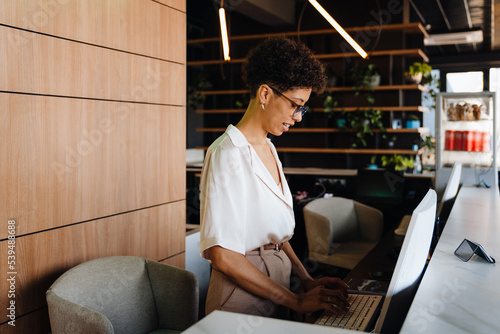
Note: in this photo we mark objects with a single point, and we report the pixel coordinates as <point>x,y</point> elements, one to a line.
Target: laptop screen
<point>409,266</point>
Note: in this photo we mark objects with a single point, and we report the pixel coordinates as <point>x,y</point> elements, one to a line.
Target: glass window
<point>464,82</point>
<point>494,79</point>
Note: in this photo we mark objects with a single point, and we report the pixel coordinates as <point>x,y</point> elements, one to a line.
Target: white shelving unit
<point>467,132</point>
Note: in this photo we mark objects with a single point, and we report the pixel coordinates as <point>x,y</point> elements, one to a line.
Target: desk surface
<point>220,322</point>
<point>456,296</point>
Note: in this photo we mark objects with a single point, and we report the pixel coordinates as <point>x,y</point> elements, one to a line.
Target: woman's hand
<point>323,298</point>
<point>327,282</point>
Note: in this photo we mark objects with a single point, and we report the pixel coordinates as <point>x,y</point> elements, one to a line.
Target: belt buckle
<point>277,247</point>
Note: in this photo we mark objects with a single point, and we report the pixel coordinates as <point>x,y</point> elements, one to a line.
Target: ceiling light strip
<point>223,31</point>
<point>339,29</point>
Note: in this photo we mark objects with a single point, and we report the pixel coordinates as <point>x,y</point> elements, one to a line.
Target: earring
<point>262,105</point>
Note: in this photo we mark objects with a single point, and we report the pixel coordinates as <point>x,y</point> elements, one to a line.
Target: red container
<point>478,141</point>
<point>468,141</point>
<point>449,140</point>
<point>457,141</point>
<point>486,142</point>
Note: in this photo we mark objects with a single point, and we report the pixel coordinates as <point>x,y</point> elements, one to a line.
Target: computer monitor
<point>409,266</point>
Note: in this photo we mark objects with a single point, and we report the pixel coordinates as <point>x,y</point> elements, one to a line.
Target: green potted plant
<point>397,162</point>
<point>373,162</point>
<point>412,122</point>
<point>421,73</point>
<point>417,72</point>
<point>364,76</point>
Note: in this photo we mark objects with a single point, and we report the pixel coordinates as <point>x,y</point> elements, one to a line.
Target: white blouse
<point>242,208</point>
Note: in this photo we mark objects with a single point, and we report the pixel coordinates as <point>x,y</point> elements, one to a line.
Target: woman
<point>246,206</point>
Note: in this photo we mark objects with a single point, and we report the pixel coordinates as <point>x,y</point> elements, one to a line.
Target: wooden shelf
<point>348,109</point>
<point>345,150</point>
<point>421,88</point>
<point>326,130</point>
<point>214,62</point>
<point>413,27</point>
<point>406,52</point>
<point>382,108</point>
<point>419,130</point>
<point>340,150</point>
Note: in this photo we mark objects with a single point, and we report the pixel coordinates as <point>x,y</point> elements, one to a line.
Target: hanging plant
<point>364,78</point>
<point>363,122</point>
<point>195,97</point>
<point>329,102</point>
<point>421,73</point>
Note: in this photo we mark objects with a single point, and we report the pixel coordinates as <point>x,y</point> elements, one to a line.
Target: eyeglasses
<point>299,110</point>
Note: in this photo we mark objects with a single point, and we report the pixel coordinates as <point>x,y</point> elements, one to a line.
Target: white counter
<point>456,296</point>
<point>220,322</point>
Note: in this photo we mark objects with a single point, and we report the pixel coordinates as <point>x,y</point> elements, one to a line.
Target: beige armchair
<point>340,231</point>
<point>123,294</point>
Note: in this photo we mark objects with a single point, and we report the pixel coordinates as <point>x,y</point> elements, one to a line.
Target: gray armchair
<point>340,231</point>
<point>123,294</point>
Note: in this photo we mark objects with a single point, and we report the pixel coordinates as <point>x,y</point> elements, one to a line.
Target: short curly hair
<point>284,63</point>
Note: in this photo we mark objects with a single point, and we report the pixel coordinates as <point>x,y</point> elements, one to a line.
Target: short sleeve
<point>222,198</point>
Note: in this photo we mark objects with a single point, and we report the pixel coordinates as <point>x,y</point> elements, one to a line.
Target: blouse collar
<point>239,140</point>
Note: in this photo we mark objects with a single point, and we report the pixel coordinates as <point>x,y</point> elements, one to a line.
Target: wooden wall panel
<point>179,4</point>
<point>39,64</point>
<point>178,260</point>
<point>154,233</point>
<point>92,116</point>
<point>36,322</point>
<point>119,24</point>
<point>83,159</point>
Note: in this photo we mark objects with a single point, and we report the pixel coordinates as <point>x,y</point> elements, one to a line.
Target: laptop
<point>388,314</point>
<point>361,315</point>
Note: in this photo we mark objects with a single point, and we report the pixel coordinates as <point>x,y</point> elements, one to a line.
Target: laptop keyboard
<point>358,317</point>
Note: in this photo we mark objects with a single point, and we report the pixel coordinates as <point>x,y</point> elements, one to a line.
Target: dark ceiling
<point>437,16</point>
<point>445,16</point>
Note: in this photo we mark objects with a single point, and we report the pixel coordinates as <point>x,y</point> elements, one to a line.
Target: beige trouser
<point>224,295</point>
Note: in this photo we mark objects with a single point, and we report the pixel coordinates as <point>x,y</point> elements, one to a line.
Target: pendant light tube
<point>223,31</point>
<point>340,30</point>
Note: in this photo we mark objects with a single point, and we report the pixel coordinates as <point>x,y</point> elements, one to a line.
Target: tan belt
<point>276,247</point>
